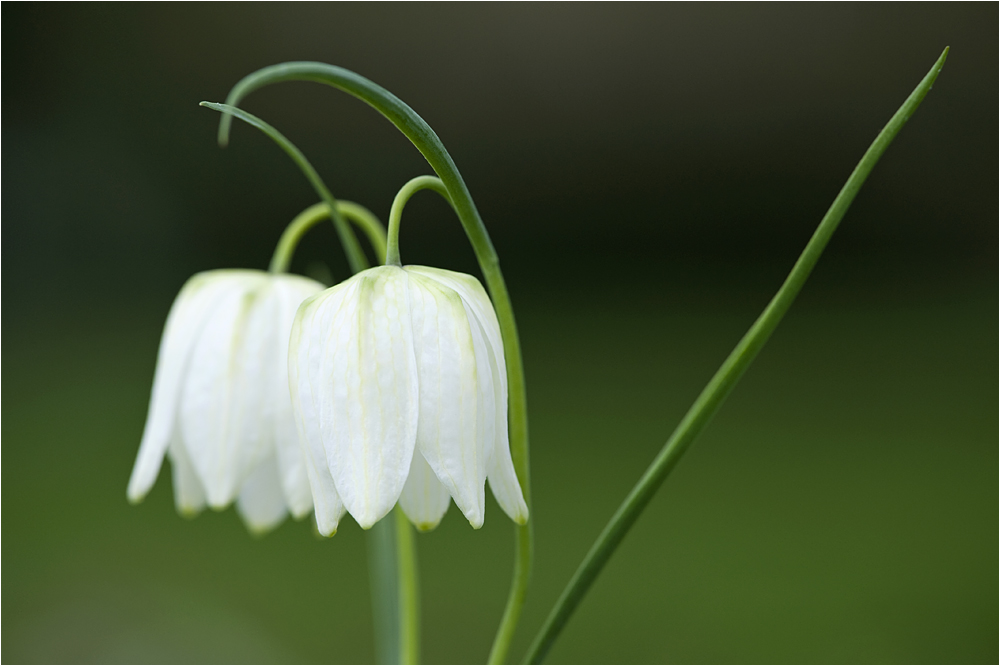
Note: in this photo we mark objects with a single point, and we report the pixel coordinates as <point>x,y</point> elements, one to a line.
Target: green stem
<point>722,383</point>
<point>355,257</point>
<point>427,142</point>
<point>308,218</point>
<point>523,536</point>
<point>396,213</point>
<point>523,544</point>
<point>409,591</point>
<point>392,568</point>
<point>383,573</point>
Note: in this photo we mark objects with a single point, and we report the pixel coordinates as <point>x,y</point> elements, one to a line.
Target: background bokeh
<point>648,174</point>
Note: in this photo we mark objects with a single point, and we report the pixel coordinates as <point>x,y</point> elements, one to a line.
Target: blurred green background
<point>649,174</point>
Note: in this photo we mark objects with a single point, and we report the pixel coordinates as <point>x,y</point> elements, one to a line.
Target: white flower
<point>220,406</point>
<point>400,390</point>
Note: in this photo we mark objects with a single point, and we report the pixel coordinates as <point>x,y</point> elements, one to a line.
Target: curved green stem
<point>523,553</point>
<point>427,142</point>
<point>519,586</point>
<point>308,218</point>
<point>355,257</point>
<point>722,383</point>
<point>396,213</point>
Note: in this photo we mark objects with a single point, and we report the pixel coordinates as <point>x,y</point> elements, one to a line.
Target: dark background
<point>648,174</point>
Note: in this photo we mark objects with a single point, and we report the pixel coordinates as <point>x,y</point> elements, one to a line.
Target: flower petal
<point>502,477</point>
<point>368,393</point>
<point>224,393</point>
<point>261,503</point>
<point>451,425</point>
<point>188,317</point>
<point>474,296</point>
<point>289,292</point>
<point>304,362</point>
<point>424,499</point>
<point>189,495</point>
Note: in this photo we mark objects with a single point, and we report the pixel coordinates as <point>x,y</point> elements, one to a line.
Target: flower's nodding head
<point>399,386</point>
<point>220,406</point>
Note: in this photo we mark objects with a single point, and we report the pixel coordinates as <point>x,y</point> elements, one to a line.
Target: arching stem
<point>316,213</point>
<point>427,142</point>
<point>399,203</point>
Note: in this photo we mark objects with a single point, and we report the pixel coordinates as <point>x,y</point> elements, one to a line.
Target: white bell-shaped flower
<point>399,386</point>
<point>220,406</point>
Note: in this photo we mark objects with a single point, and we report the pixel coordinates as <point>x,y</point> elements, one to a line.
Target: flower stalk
<point>307,219</point>
<point>383,572</point>
<point>408,588</point>
<point>391,548</point>
<point>392,568</point>
<point>427,142</point>
<point>396,212</point>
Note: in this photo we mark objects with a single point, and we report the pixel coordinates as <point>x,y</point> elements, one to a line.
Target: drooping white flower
<point>399,386</point>
<point>220,405</point>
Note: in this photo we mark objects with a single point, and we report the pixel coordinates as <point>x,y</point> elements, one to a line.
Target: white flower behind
<point>220,405</point>
<point>399,386</point>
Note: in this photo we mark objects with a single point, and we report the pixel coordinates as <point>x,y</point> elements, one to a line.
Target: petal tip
<point>318,533</point>
<point>188,512</point>
<point>324,528</point>
<point>137,489</point>
<point>368,519</point>
<point>258,531</point>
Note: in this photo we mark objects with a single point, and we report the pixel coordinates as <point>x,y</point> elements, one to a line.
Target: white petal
<point>261,503</point>
<point>187,318</point>
<point>474,296</point>
<point>304,361</point>
<point>289,291</point>
<point>424,499</point>
<point>502,477</point>
<point>189,496</point>
<point>224,393</point>
<point>367,392</point>
<point>452,424</point>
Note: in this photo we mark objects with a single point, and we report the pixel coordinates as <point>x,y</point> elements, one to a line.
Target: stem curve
<point>412,186</point>
<point>308,218</point>
<point>430,146</point>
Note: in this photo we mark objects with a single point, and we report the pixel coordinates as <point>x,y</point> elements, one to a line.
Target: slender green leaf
<point>721,384</point>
